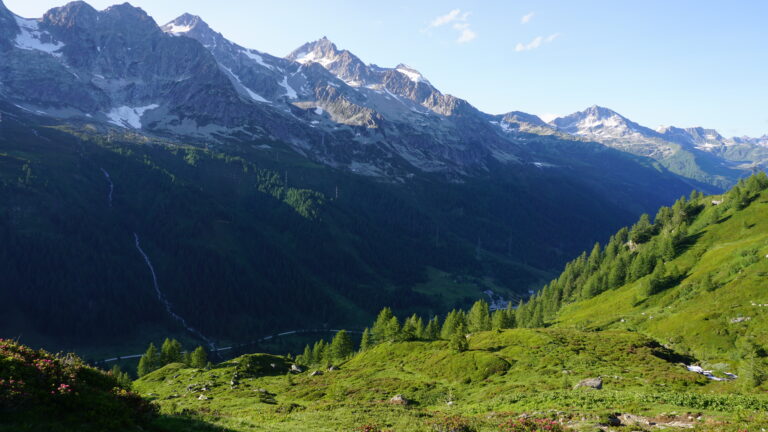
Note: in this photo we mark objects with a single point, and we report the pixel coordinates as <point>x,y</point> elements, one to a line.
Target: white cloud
<point>460,23</point>
<point>465,33</point>
<point>536,42</point>
<point>450,17</point>
<point>527,18</point>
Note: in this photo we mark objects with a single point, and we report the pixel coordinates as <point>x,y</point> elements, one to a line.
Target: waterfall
<point>111,186</point>
<point>164,300</point>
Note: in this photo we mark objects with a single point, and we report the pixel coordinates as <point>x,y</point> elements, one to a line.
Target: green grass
<point>687,316</point>
<point>502,374</point>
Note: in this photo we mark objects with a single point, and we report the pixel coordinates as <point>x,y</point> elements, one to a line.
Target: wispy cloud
<point>527,18</point>
<point>466,34</point>
<point>459,22</point>
<point>454,15</point>
<point>536,42</point>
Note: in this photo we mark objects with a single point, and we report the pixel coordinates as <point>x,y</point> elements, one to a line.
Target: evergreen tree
<point>642,230</point>
<point>121,377</point>
<point>306,356</point>
<point>479,318</point>
<point>367,341</point>
<point>498,320</point>
<point>751,373</point>
<point>454,320</point>
<point>341,346</point>
<point>617,273</point>
<point>381,327</point>
<point>432,330</point>
<point>458,341</point>
<point>392,331</point>
<point>143,368</point>
<point>657,281</point>
<point>318,351</point>
<point>199,358</point>
<point>408,332</point>
<point>170,352</point>
<point>149,362</point>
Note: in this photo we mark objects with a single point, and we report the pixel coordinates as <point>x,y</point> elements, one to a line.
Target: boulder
<point>316,373</point>
<point>202,397</point>
<point>399,400</point>
<point>594,383</point>
<point>295,369</point>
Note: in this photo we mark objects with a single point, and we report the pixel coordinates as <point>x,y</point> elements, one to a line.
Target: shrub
<point>530,425</point>
<point>451,424</point>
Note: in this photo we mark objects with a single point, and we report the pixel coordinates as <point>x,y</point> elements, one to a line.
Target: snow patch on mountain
<point>411,73</point>
<point>31,38</point>
<point>289,91</point>
<point>257,58</point>
<point>176,29</point>
<point>252,94</point>
<point>312,57</point>
<point>129,117</point>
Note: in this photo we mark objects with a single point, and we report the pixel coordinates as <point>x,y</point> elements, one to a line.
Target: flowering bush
<point>44,385</point>
<point>530,425</point>
<point>451,424</point>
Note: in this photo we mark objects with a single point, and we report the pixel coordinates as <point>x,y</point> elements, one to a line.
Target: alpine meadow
<point>197,235</point>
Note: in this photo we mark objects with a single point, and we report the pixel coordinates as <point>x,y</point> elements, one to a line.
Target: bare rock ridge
<point>118,67</point>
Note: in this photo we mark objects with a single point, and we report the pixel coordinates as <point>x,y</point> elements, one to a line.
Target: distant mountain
<point>697,153</point>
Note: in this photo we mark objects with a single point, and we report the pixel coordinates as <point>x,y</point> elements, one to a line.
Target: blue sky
<point>682,63</point>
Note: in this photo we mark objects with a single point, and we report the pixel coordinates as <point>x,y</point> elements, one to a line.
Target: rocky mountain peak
<point>77,14</point>
<point>185,24</point>
<point>321,51</point>
<point>601,123</point>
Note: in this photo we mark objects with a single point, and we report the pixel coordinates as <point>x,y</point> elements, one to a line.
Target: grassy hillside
<point>720,299</point>
<point>503,374</point>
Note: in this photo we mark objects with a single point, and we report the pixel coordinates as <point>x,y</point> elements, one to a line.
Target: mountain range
<point>184,79</point>
<point>156,177</point>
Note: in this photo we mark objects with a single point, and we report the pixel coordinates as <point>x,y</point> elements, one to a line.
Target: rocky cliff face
<point>117,67</point>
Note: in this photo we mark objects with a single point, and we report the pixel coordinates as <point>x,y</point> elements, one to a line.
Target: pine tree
<point>306,356</point>
<point>498,320</point>
<point>657,281</point>
<point>121,377</point>
<point>149,362</point>
<point>144,367</point>
<point>170,352</point>
<point>199,358</point>
<point>392,331</point>
<point>318,351</point>
<point>408,332</point>
<point>367,341</point>
<point>458,341</point>
<point>432,330</point>
<point>341,346</point>
<point>380,329</point>
<point>479,318</point>
<point>449,325</point>
<point>642,230</point>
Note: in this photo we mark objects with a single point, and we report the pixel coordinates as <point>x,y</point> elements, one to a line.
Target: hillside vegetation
<point>228,227</point>
<point>693,280</point>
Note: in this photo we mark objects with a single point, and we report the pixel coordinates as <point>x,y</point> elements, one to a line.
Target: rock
<point>295,369</point>
<point>202,397</point>
<point>316,373</point>
<point>634,420</point>
<point>332,368</point>
<point>594,383</point>
<point>740,319</point>
<point>399,400</point>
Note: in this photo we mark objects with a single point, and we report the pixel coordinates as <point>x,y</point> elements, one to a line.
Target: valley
<point>211,237</point>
